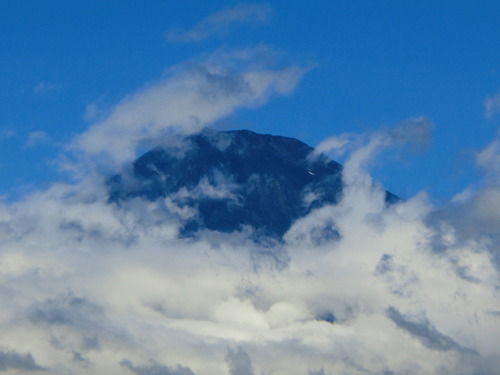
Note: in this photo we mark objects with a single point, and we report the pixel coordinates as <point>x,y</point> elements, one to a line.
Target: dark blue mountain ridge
<point>233,179</point>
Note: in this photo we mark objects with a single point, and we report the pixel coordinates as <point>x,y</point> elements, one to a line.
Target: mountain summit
<point>224,180</point>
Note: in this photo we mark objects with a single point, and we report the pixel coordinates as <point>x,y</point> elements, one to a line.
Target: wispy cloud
<point>491,106</point>
<point>35,138</point>
<point>155,368</point>
<point>219,23</point>
<point>6,133</point>
<point>412,133</point>
<point>44,87</point>
<point>489,160</point>
<point>425,332</point>
<point>190,97</point>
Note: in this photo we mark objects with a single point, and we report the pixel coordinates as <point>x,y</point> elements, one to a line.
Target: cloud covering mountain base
<point>93,288</point>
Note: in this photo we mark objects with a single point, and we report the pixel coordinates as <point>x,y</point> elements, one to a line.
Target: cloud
<point>36,138</point>
<point>489,161</point>
<point>239,362</point>
<point>333,144</point>
<point>66,309</point>
<point>318,372</point>
<point>155,368</point>
<point>191,96</point>
<point>425,332</point>
<point>7,133</point>
<point>91,111</point>
<point>15,361</point>
<point>491,105</point>
<point>105,289</point>
<point>414,132</point>
<point>472,217</point>
<point>219,23</point>
<point>44,87</point>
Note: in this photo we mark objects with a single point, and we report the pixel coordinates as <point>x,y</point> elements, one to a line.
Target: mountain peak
<point>226,180</point>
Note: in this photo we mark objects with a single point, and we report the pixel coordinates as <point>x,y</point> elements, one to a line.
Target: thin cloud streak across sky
<point>220,23</point>
<point>190,97</point>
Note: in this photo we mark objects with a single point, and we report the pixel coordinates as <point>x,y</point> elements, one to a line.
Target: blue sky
<point>369,65</point>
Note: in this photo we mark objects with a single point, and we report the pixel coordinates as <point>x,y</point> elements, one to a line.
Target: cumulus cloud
<point>220,23</point>
<point>473,215</point>
<point>97,288</point>
<point>190,96</point>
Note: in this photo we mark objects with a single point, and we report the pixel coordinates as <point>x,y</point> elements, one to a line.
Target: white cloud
<point>491,106</point>
<point>489,160</point>
<point>91,111</point>
<point>44,87</point>
<point>7,133</point>
<point>94,288</point>
<point>190,97</point>
<point>474,213</point>
<point>36,138</point>
<point>219,23</point>
<point>334,145</point>
<point>414,131</point>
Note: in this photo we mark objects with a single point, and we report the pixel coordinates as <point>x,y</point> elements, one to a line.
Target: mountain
<point>229,179</point>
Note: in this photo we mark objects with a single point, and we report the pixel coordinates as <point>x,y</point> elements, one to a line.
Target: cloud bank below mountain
<point>97,288</point>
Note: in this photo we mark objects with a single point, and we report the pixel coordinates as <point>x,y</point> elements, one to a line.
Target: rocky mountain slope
<point>224,180</point>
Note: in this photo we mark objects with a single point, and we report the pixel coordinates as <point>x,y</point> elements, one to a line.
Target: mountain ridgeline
<point>225,180</point>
